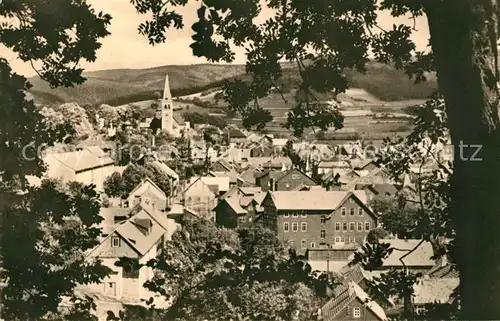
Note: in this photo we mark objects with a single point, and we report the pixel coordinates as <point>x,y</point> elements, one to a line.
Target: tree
<point>463,53</point>
<point>44,243</point>
<point>134,174</point>
<point>212,273</point>
<point>45,231</point>
<point>113,185</point>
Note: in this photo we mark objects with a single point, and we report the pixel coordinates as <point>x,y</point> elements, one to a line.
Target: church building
<point>165,119</point>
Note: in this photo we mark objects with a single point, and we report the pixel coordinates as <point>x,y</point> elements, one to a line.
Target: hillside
<point>123,86</point>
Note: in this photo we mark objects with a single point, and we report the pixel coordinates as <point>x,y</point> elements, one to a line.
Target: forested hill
<point>122,86</point>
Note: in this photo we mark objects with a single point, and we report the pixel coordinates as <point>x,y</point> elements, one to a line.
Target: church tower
<point>167,108</point>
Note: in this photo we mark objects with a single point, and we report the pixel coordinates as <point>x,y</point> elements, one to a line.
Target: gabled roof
<point>250,190</point>
<point>236,133</point>
<point>166,169</point>
<point>150,182</point>
<point>307,200</point>
<point>77,161</point>
<point>313,200</point>
<point>198,179</point>
<point>134,236</point>
<point>224,164</point>
<point>234,204</point>
<point>420,257</point>
<point>285,173</point>
<point>344,295</point>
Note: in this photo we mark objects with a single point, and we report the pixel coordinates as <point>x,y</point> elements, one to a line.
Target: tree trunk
<point>463,38</point>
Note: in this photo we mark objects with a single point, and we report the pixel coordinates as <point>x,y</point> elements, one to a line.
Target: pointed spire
<point>166,91</point>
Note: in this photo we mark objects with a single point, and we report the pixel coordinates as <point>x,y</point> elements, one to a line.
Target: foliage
<point>183,162</point>
<point>113,185</point>
<point>118,184</point>
<point>23,126</point>
<point>70,34</point>
<point>69,114</point>
<point>212,274</point>
<point>47,260</point>
<point>131,147</point>
<point>197,118</point>
<point>289,152</point>
<point>376,234</point>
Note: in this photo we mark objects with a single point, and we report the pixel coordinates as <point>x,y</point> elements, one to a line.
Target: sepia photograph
<point>241,160</point>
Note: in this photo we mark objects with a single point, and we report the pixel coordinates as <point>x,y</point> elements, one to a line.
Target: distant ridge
<point>122,86</point>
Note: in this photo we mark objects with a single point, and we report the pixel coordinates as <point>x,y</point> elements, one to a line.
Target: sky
<point>125,48</point>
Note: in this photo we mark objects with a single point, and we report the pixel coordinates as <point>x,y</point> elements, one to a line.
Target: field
<point>382,90</point>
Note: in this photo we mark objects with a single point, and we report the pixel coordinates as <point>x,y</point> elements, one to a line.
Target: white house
<point>88,166</point>
<point>139,236</point>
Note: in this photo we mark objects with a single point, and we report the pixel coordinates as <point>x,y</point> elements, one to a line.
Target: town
<point>322,206</point>
<point>249,160</point>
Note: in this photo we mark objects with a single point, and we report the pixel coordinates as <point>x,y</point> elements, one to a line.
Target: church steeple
<point>166,91</point>
<point>167,108</point>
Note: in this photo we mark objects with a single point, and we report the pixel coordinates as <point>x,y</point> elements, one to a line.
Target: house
<point>238,207</point>
<point>236,155</point>
<point>332,259</point>
<point>221,165</point>
<point>233,176</point>
<point>201,197</point>
<point>430,291</point>
<point>284,181</point>
<point>247,177</point>
<point>351,302</point>
<point>179,212</point>
<point>420,260</point>
<point>378,190</point>
<point>313,219</point>
<point>174,178</point>
<point>261,151</point>
<point>147,191</point>
<point>139,236</point>
<point>278,163</point>
<point>87,166</point>
<point>236,135</point>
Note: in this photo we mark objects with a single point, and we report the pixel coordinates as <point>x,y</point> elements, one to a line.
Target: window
<point>360,226</point>
<point>295,227</point>
<point>367,226</point>
<point>295,176</point>
<point>344,227</point>
<point>337,226</point>
<point>351,211</point>
<point>351,200</point>
<point>323,219</point>
<point>304,214</point>
<point>242,219</point>
<point>303,244</point>
<point>286,227</point>
<point>352,239</point>
<point>356,312</point>
<point>323,234</point>
<point>115,241</point>
<point>352,227</point>
<point>286,214</point>
<point>303,227</point>
<point>360,211</point>
<point>342,211</point>
<point>312,245</point>
<point>342,239</point>
<point>295,214</point>
<point>337,239</point>
<point>419,309</point>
